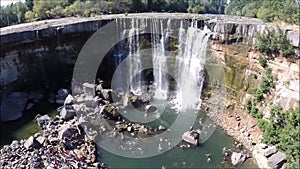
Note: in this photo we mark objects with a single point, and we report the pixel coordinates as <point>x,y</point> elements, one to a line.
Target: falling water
<point>189,62</point>
<point>158,38</point>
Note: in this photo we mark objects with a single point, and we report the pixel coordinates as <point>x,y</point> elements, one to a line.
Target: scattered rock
<point>269,151</point>
<point>67,131</point>
<point>67,113</point>
<point>237,158</point>
<point>31,142</point>
<point>89,89</point>
<point>69,100</point>
<point>43,120</point>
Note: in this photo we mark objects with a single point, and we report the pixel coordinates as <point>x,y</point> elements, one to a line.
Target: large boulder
<point>13,105</point>
<point>191,137</point>
<point>237,158</point>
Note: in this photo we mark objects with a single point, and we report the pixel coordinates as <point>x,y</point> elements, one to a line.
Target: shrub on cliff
<point>274,43</point>
<point>262,61</point>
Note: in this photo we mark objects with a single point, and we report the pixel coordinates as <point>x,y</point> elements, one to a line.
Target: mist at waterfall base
<point>175,68</point>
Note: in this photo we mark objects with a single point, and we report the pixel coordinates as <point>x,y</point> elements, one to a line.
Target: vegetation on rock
<point>274,43</point>
<point>282,128</point>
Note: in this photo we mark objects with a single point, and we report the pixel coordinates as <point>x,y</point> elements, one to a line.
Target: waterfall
<point>189,61</point>
<point>158,39</point>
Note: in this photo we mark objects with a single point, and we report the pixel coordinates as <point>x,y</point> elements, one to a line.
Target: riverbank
<point>232,119</point>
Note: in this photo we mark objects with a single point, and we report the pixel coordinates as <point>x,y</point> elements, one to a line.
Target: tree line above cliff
<point>31,10</point>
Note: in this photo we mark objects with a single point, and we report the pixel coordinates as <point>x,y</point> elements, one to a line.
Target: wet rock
<point>121,126</point>
<point>13,105</point>
<point>67,113</point>
<point>191,137</point>
<point>160,127</point>
<point>61,96</point>
<point>31,142</point>
<point>150,109</point>
<point>237,158</point>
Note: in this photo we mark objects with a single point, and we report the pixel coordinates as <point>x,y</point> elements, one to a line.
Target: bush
<point>248,106</point>
<point>258,95</point>
<point>262,61</point>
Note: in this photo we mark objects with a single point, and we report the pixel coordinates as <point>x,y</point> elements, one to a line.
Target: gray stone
<point>150,109</point>
<point>67,131</point>
<point>67,113</point>
<point>237,158</point>
<point>160,127</point>
<point>69,100</point>
<point>276,159</point>
<point>41,139</point>
<point>89,89</point>
<point>269,151</point>
<point>91,102</point>
<point>13,105</point>
<point>43,120</point>
<point>191,137</point>
<point>31,142</point>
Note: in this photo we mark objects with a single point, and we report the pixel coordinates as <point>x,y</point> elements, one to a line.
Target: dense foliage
<point>264,87</point>
<point>275,43</point>
<point>267,10</point>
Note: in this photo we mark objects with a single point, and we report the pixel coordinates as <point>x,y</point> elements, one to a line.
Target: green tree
<point>29,16</point>
<point>274,10</point>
